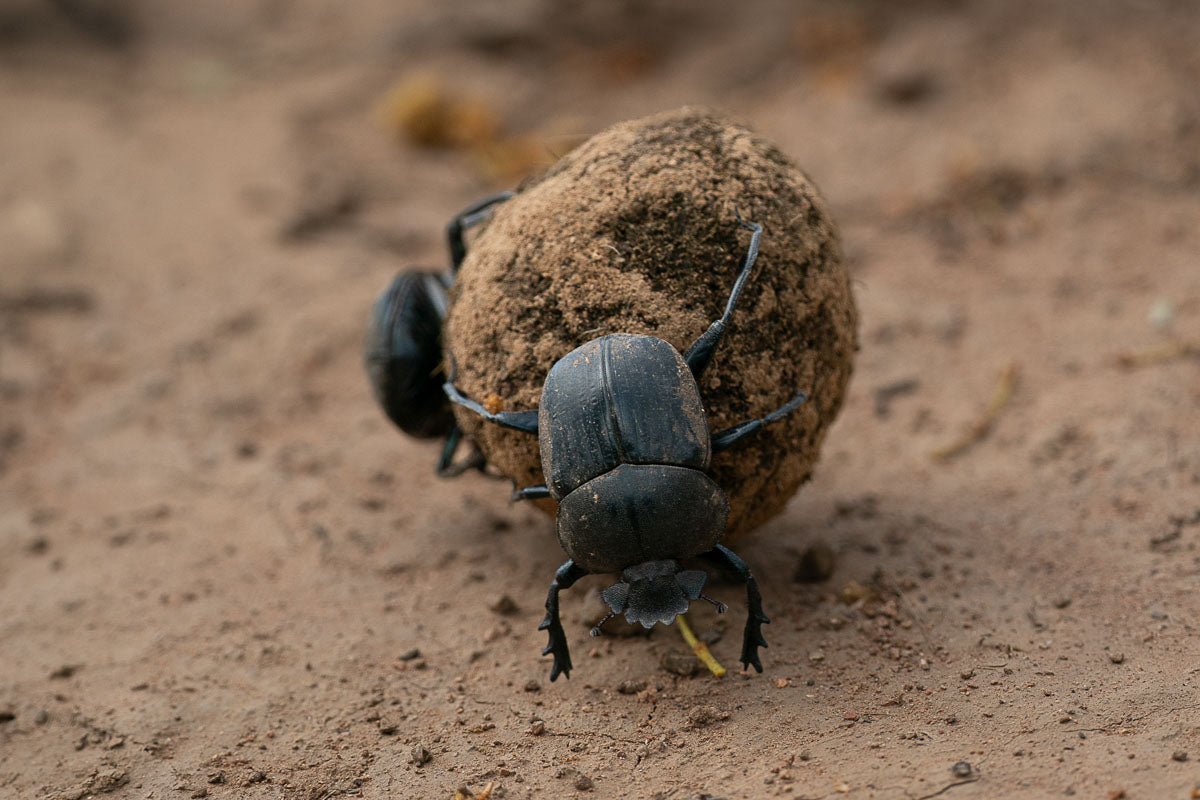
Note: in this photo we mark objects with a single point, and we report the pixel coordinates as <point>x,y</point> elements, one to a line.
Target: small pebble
<point>1116,658</point>
<point>1179,755</point>
<point>409,655</point>
<point>420,755</point>
<point>505,606</point>
<point>537,728</point>
<point>961,770</point>
<point>816,564</point>
<point>532,686</point>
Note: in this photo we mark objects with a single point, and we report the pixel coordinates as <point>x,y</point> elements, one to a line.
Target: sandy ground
<point>217,559</point>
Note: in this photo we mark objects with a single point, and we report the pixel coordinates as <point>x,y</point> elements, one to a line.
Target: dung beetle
<point>625,446</point>
<point>403,350</point>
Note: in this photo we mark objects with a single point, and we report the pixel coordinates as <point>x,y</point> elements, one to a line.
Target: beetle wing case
<point>403,354</point>
<point>619,399</point>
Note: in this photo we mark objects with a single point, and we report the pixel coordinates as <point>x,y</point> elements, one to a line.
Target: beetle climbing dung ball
<point>637,231</point>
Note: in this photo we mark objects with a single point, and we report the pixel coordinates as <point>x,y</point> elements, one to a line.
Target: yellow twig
<point>699,648</point>
<point>982,426</point>
<point>1167,351</point>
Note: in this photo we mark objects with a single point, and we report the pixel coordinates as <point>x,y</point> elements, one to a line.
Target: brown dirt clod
<point>636,231</point>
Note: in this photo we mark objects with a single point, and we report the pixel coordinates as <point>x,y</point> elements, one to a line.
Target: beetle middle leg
<point>564,578</point>
<point>752,637</point>
<point>730,436</point>
<point>524,421</point>
<point>531,493</point>
<point>701,352</point>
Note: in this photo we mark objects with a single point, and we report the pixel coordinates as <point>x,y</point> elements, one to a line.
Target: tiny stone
<point>257,776</point>
<point>816,564</point>
<point>967,674</point>
<point>537,728</point>
<point>631,686</point>
<point>685,664</point>
<point>1179,755</point>
<point>1116,658</point>
<point>420,755</point>
<point>201,792</point>
<point>583,783</point>
<point>505,606</point>
<point>1062,602</point>
<point>409,655</point>
<point>961,770</point>
<point>216,777</point>
<point>532,686</point>
<point>41,717</point>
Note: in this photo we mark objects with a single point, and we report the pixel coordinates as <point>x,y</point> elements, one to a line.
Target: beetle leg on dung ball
<point>470,216</point>
<point>531,493</point>
<point>701,352</point>
<point>524,421</point>
<point>731,436</point>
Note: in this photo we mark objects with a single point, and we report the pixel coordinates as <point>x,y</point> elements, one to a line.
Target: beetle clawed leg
<point>721,607</point>
<point>596,628</point>
<point>564,578</point>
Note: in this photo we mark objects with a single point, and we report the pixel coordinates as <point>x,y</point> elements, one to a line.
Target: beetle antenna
<point>721,607</point>
<point>600,624</point>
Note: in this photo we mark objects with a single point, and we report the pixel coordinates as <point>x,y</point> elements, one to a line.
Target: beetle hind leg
<point>701,352</point>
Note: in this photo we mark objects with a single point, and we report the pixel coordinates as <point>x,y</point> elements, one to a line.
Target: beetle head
<point>654,591</point>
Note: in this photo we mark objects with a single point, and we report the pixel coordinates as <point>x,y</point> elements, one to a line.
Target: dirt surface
<point>222,574</point>
<point>636,231</point>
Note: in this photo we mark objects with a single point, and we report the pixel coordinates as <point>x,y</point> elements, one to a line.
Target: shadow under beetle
<point>625,445</point>
<point>403,351</point>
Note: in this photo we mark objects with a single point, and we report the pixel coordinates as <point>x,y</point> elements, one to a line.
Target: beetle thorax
<point>641,512</point>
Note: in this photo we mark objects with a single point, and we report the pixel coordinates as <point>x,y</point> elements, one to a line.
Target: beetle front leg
<point>752,637</point>
<point>566,576</point>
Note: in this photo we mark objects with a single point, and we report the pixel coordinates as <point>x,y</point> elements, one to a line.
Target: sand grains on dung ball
<point>637,231</point>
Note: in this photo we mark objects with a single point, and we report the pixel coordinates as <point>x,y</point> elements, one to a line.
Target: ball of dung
<point>637,231</point>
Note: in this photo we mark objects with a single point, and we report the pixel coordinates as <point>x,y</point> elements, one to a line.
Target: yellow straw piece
<point>699,648</point>
<point>982,426</point>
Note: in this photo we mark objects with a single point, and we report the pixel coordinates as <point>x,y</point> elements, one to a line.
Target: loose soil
<point>223,574</point>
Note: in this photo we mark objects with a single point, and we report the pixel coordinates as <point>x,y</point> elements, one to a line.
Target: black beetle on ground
<point>403,352</point>
<point>625,444</point>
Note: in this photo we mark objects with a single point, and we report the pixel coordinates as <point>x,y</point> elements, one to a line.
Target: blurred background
<point>216,557</point>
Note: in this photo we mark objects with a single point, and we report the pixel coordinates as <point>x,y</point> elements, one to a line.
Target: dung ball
<point>637,231</point>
